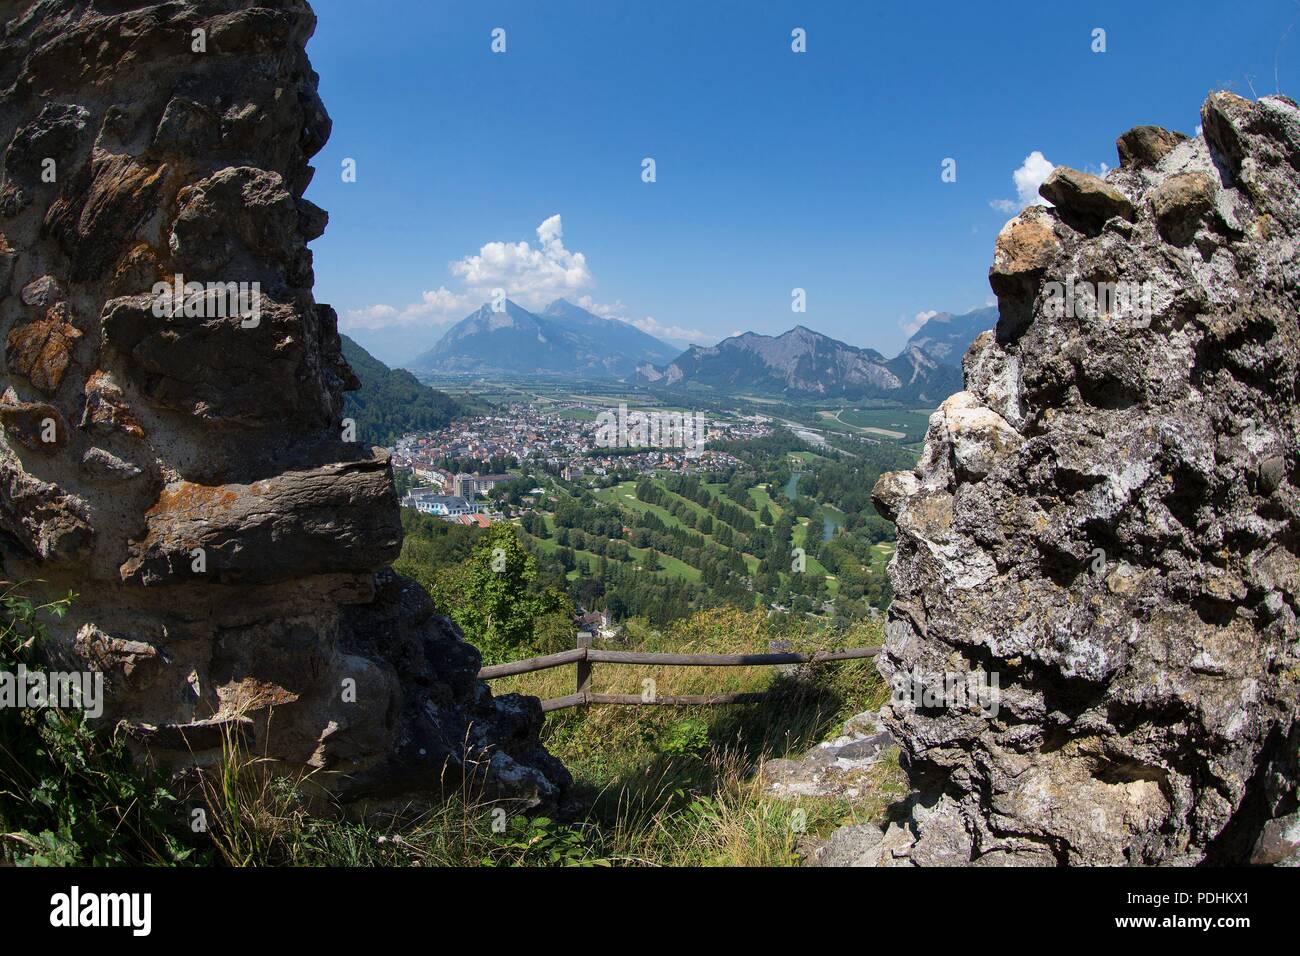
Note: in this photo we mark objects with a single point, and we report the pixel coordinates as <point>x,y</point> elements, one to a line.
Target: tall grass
<point>256,816</point>
<point>654,786</point>
<point>679,785</point>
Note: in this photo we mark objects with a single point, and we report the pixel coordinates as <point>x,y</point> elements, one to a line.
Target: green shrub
<point>685,738</point>
<point>70,796</point>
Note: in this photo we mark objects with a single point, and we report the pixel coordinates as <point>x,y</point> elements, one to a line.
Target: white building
<point>427,503</point>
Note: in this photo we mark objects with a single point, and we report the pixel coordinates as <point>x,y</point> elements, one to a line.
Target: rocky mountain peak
<point>804,362</point>
<point>562,339</point>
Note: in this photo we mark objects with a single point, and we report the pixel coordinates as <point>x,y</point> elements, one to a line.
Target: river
<point>831,519</point>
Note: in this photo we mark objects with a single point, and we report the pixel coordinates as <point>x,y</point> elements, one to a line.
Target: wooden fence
<point>584,656</point>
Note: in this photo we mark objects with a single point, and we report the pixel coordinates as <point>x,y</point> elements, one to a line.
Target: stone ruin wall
<point>185,474</point>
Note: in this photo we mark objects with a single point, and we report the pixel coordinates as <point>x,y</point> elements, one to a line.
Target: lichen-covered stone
<point>1145,146</point>
<point>1108,518</point>
<point>1024,248</point>
<point>181,470</point>
<point>1085,201</point>
<point>105,408</point>
<point>34,425</point>
<point>51,525</point>
<point>1180,202</point>
<point>101,465</point>
<point>340,517</point>
<point>41,351</point>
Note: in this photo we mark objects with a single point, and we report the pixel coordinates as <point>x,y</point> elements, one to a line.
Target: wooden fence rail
<point>584,656</point>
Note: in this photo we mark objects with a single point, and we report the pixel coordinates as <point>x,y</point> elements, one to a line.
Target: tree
<point>493,596</point>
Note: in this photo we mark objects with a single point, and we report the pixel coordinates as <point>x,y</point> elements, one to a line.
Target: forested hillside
<point>390,401</point>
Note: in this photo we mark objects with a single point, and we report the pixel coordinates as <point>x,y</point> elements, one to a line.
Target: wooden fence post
<point>584,666</point>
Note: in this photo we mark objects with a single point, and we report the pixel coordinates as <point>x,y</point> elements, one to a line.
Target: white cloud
<point>436,307</point>
<point>1031,174</point>
<point>531,275</point>
<point>614,310</point>
<point>647,324</point>
<point>440,302</point>
<point>371,317</point>
<point>914,326</point>
<point>652,326</point>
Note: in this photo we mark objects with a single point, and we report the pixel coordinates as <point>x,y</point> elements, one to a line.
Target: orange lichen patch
<point>188,499</point>
<point>41,351</point>
<point>119,179</point>
<point>153,177</point>
<point>106,408</point>
<point>1025,245</point>
<point>250,695</point>
<point>931,515</point>
<point>138,270</point>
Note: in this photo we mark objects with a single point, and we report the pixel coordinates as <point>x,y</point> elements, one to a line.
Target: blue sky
<point>774,169</point>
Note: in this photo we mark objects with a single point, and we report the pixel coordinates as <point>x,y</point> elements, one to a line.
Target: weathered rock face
<point>1108,518</point>
<point>174,456</point>
<point>834,768</point>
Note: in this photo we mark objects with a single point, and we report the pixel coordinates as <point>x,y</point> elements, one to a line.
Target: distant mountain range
<point>802,363</point>
<point>391,402</point>
<point>946,337</point>
<point>562,339</point>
